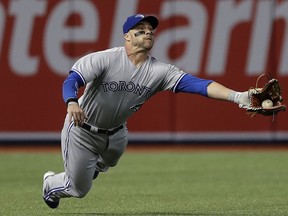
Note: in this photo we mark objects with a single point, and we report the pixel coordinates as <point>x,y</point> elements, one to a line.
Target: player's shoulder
<point>112,53</point>
<point>106,52</point>
<point>113,50</point>
<point>157,63</point>
<point>164,67</point>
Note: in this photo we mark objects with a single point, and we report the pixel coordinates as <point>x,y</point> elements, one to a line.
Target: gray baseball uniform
<point>115,89</point>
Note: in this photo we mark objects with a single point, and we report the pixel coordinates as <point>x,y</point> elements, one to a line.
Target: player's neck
<point>136,57</point>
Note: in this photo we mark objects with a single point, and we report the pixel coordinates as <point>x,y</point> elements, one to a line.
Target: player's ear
<point>127,37</point>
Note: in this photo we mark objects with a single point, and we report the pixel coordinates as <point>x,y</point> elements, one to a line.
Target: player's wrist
<point>233,96</point>
<point>72,101</point>
<point>239,97</point>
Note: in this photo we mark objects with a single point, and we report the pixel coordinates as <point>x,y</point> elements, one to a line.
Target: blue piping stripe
<point>179,79</point>
<point>67,143</point>
<point>55,190</point>
<point>79,73</point>
<point>67,185</point>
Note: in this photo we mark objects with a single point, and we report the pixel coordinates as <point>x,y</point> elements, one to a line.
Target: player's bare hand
<point>76,114</point>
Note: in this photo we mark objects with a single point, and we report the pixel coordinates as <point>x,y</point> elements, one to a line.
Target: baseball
<point>267,103</point>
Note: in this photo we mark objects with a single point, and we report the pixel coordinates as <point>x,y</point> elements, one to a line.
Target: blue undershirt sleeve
<point>193,84</point>
<point>70,87</point>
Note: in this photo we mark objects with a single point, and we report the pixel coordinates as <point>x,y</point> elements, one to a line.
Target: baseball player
<point>117,82</point>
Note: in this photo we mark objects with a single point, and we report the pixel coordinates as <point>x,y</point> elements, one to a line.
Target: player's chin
<point>148,46</point>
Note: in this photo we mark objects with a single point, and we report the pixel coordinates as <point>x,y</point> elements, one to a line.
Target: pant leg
<point>79,164</point>
<point>80,156</point>
<point>116,147</point>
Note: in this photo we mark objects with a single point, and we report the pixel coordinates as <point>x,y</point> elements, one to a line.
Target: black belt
<point>99,130</point>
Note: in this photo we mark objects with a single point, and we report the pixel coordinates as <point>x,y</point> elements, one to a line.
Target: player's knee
<point>80,195</point>
<point>81,191</point>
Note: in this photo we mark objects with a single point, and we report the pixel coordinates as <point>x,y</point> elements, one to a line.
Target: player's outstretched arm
<point>217,91</point>
<point>211,89</point>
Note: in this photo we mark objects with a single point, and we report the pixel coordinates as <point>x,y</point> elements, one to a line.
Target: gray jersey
<point>116,88</point>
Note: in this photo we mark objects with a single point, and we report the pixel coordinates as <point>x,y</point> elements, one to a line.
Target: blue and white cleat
<point>52,203</point>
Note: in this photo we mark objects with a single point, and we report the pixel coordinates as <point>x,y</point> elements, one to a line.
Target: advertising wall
<point>229,41</point>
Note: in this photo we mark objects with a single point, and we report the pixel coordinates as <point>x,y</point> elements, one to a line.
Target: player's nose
<point>149,32</point>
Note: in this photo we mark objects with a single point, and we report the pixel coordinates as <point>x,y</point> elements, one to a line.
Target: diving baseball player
<point>117,83</point>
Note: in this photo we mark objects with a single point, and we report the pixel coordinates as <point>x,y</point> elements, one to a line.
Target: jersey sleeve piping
<point>177,82</point>
<point>79,73</point>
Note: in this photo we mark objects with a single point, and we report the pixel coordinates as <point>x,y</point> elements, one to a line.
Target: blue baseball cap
<point>135,19</point>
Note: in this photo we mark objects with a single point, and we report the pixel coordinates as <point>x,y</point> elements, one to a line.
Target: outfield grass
<point>191,183</point>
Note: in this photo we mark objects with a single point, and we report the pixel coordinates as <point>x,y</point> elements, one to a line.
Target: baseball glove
<point>271,92</point>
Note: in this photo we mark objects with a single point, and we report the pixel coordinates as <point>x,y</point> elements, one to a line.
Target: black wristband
<point>72,99</point>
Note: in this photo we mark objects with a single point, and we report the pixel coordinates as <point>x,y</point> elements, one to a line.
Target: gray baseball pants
<point>84,152</point>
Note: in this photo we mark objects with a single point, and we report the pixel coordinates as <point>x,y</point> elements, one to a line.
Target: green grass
<point>191,183</point>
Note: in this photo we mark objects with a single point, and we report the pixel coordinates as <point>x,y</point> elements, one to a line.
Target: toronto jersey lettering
<point>110,73</point>
<point>129,87</point>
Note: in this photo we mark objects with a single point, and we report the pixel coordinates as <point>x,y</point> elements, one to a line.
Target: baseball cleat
<point>52,204</point>
<point>48,174</point>
<point>96,173</point>
<point>48,200</point>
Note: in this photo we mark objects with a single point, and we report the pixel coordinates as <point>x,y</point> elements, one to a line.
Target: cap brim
<point>152,20</point>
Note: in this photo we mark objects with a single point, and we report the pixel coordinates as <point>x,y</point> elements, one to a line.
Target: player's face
<point>142,36</point>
